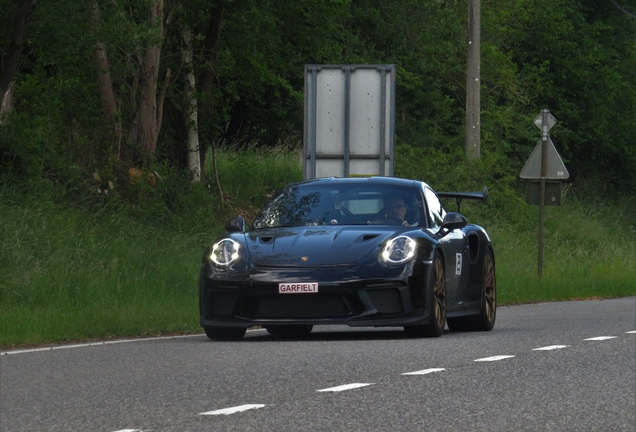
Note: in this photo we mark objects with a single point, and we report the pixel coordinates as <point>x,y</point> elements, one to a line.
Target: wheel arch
<point>478,244</point>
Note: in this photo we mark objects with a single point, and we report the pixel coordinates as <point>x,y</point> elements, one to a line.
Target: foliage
<point>583,52</point>
<point>248,180</point>
<point>573,57</point>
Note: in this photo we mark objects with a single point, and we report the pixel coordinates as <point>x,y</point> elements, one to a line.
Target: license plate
<point>298,288</point>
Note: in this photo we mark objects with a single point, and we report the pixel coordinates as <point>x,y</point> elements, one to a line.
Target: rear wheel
<point>488,314</point>
<point>485,321</point>
<point>438,306</point>
<point>290,330</point>
<point>225,333</point>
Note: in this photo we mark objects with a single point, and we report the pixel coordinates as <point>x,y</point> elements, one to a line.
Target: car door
<point>453,246</point>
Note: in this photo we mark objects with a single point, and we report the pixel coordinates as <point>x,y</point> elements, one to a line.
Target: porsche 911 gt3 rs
<point>376,251</point>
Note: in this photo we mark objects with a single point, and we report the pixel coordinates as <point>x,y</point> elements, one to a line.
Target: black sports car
<point>376,251</point>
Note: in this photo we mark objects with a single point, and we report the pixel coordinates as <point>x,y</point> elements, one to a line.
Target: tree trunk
<point>149,109</point>
<point>6,102</point>
<point>211,54</point>
<point>105,83</point>
<point>11,60</point>
<point>104,80</point>
<point>216,172</point>
<point>194,160</point>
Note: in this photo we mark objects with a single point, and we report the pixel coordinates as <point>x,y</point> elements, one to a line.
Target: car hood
<point>314,246</point>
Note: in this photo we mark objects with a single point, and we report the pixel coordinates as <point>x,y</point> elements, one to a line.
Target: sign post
<point>544,163</point>
<point>544,171</point>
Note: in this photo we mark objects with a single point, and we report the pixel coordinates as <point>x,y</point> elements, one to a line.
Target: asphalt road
<point>567,366</point>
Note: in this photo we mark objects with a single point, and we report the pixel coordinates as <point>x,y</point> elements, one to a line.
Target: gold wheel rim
<point>439,293</point>
<point>490,288</point>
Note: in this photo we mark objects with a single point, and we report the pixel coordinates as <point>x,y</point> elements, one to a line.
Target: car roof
<point>387,181</point>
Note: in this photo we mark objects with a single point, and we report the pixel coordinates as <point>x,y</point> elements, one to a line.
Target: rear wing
<point>459,196</point>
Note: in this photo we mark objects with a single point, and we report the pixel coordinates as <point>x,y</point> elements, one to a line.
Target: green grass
<point>65,275</point>
<point>100,269</point>
<point>569,271</point>
<point>249,174</point>
<point>589,248</point>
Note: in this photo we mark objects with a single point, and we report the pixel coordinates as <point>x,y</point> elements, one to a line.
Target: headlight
<point>398,250</point>
<point>225,252</point>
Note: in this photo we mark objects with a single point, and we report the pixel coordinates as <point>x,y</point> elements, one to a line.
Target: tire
<point>290,330</point>
<point>485,321</point>
<point>438,306</point>
<point>225,333</point>
<point>488,313</point>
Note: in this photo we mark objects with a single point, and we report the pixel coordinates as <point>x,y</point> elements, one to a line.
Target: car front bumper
<point>371,296</point>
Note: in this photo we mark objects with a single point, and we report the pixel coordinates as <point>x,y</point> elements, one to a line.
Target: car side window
<point>435,209</point>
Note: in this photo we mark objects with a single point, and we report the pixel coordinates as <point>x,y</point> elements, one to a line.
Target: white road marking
<point>494,358</point>
<point>601,338</point>
<point>425,371</point>
<point>130,430</point>
<point>345,387</point>
<point>633,331</point>
<point>549,348</point>
<point>111,342</point>
<point>60,347</point>
<point>233,410</point>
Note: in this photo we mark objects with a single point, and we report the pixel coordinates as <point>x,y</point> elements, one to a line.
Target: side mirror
<point>452,221</point>
<point>236,224</point>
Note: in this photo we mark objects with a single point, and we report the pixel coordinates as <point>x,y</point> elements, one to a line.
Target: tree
<point>194,160</point>
<point>210,56</point>
<point>104,79</point>
<point>101,94</point>
<point>150,112</point>
<point>585,53</point>
<point>16,17</point>
<point>142,97</point>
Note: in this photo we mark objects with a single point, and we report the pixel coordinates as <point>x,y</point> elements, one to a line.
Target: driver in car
<point>396,209</point>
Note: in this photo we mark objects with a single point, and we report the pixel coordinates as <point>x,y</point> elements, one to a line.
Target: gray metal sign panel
<point>552,193</point>
<point>349,120</point>
<point>539,121</point>
<point>555,168</point>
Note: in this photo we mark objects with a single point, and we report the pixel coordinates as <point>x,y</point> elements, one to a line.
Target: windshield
<point>328,204</point>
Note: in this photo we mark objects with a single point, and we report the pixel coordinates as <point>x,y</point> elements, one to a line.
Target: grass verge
<point>97,270</point>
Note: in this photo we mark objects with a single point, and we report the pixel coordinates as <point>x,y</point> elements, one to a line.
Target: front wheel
<point>225,333</point>
<point>438,306</point>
